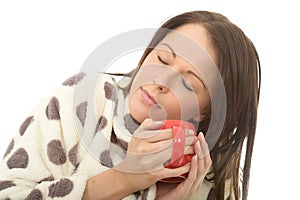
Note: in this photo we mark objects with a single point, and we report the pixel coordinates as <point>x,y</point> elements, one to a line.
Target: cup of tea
<point>178,158</point>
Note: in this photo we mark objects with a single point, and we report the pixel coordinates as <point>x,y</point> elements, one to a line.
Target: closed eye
<point>161,60</point>
<point>187,85</point>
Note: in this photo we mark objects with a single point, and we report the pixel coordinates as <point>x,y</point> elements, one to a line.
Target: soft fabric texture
<point>80,130</point>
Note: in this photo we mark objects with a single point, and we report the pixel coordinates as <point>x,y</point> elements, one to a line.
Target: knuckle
<point>209,162</point>
<point>141,149</point>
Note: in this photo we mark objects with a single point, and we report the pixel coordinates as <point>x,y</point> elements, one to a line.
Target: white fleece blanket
<point>80,130</point>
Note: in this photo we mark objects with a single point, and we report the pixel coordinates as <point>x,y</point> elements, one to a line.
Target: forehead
<point>191,41</point>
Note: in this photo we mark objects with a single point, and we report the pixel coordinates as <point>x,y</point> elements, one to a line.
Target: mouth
<point>147,98</point>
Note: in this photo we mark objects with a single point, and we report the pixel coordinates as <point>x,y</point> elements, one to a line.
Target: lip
<point>147,98</point>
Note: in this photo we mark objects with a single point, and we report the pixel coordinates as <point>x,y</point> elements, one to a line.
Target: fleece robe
<point>81,129</point>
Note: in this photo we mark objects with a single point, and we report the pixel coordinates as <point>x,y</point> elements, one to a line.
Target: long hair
<point>239,66</point>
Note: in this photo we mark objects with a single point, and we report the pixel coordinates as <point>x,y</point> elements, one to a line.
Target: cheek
<point>172,107</point>
<point>136,109</point>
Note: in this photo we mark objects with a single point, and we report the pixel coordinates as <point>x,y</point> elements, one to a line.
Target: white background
<point>43,43</point>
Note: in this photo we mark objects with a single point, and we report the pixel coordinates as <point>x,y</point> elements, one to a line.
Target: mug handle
<point>178,146</point>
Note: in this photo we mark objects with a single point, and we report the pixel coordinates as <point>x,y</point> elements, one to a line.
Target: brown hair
<point>239,66</point>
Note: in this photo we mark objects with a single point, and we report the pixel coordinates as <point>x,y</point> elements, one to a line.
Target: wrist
<point>100,186</point>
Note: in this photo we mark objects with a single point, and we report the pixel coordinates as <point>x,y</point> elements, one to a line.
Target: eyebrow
<point>189,71</point>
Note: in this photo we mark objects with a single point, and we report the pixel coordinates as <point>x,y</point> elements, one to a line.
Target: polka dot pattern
<point>105,159</point>
<point>9,148</point>
<point>49,178</point>
<point>56,153</point>
<point>52,109</point>
<point>109,90</point>
<point>25,125</point>
<point>81,112</point>
<point>74,79</point>
<point>137,194</point>
<point>145,194</point>
<point>130,123</point>
<point>72,155</point>
<point>116,108</point>
<point>6,184</point>
<point>120,142</point>
<point>35,194</point>
<point>18,160</point>
<point>101,124</point>
<point>61,188</point>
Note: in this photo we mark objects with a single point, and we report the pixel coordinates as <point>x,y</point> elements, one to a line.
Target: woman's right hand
<point>147,152</point>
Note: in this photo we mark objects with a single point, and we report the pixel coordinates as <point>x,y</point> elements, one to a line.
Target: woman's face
<point>169,53</point>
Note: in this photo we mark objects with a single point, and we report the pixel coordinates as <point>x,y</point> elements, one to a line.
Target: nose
<point>162,89</point>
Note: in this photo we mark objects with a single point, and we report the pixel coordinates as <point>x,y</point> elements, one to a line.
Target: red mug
<point>178,158</point>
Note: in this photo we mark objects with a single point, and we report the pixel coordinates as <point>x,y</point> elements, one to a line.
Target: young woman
<point>120,152</point>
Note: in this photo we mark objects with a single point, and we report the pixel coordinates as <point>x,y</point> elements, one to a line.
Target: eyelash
<point>186,85</point>
<point>160,60</point>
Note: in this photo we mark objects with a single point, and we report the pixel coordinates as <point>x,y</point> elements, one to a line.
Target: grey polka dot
<point>9,148</point>
<point>102,122</point>
<point>105,159</point>
<point>145,194</point>
<point>123,144</point>
<point>130,123</point>
<point>35,194</point>
<point>25,125</point>
<point>81,112</point>
<point>6,184</point>
<point>56,153</point>
<point>74,79</point>
<point>125,91</point>
<point>118,141</point>
<point>18,160</point>
<point>52,110</point>
<point>113,137</point>
<point>116,108</point>
<point>211,195</point>
<point>49,178</point>
<point>137,194</point>
<point>72,155</point>
<point>60,188</point>
<point>110,92</point>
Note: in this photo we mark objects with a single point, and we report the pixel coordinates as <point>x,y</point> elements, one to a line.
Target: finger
<point>148,128</point>
<point>198,150</point>
<point>174,172</point>
<point>160,145</point>
<point>201,174</point>
<point>190,140</point>
<point>149,124</point>
<point>199,169</point>
<point>207,161</point>
<point>189,132</point>
<point>203,144</point>
<point>189,150</point>
<point>160,135</point>
<point>189,182</point>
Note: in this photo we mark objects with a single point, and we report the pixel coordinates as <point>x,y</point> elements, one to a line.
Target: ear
<point>203,114</point>
<point>200,117</point>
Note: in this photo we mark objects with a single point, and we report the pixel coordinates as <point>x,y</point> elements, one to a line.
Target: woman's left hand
<point>200,165</point>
